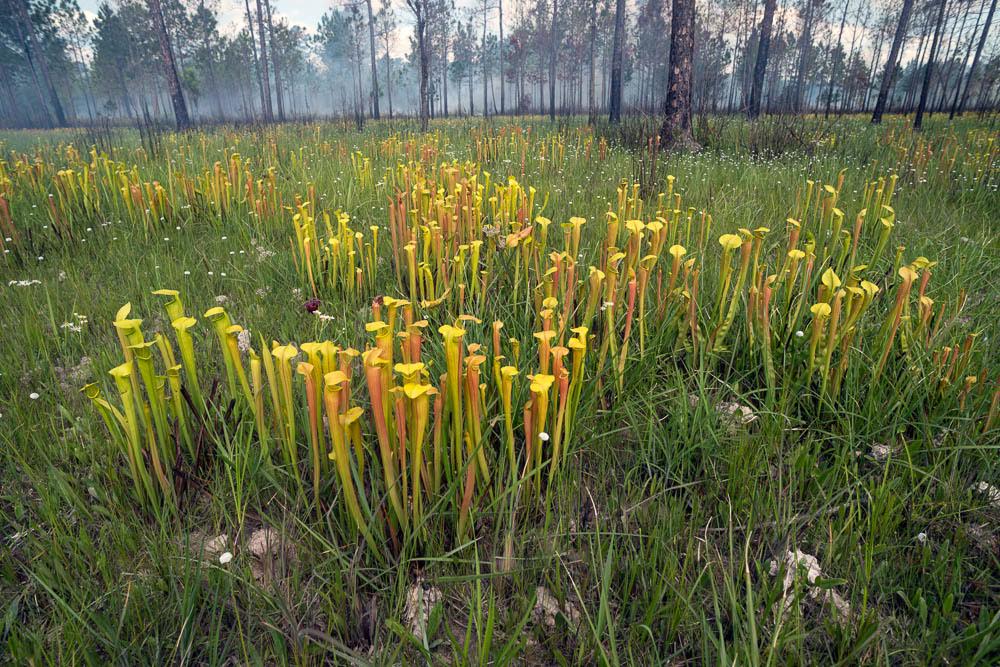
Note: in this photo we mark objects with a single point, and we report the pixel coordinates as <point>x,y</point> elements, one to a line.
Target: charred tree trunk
<point>918,120</point>
<point>760,65</point>
<point>975,62</point>
<point>419,9</point>
<point>256,57</point>
<point>265,74</point>
<point>38,64</point>
<point>388,75</point>
<point>676,130</point>
<point>169,67</point>
<point>371,44</point>
<point>503,79</point>
<point>615,103</point>
<point>553,57</point>
<point>486,108</point>
<point>591,102</point>
<point>840,36</point>
<point>276,61</point>
<point>890,64</point>
<point>804,48</point>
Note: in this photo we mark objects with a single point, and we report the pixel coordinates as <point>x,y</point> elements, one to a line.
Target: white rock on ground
<point>420,600</point>
<point>797,562</point>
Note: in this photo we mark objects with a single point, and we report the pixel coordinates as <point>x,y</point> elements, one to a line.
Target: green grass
<point>663,524</point>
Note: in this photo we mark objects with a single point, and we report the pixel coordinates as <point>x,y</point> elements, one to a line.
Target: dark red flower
<point>311,306</point>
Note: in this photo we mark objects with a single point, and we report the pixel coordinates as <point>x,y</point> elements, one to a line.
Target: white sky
<point>232,18</point>
<point>232,15</point>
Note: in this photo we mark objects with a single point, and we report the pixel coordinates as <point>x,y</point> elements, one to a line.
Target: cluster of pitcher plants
<point>425,423</point>
<point>419,419</point>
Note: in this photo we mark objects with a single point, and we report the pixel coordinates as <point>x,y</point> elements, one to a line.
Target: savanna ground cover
<point>503,392</point>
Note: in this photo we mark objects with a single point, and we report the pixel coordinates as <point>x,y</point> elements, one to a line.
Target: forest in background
<point>147,61</point>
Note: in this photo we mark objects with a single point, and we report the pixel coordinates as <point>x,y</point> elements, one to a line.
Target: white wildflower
<point>991,492</point>
<point>243,341</point>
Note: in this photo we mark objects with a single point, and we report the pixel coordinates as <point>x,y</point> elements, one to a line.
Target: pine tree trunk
<point>265,74</point>
<point>591,101</point>
<point>833,71</point>
<point>422,48</point>
<point>485,59</point>
<point>36,59</point>
<point>371,41</point>
<point>760,64</point>
<point>388,81</point>
<point>890,64</point>
<point>975,60</point>
<point>276,61</point>
<point>256,57</point>
<point>553,56</point>
<point>804,46</point>
<point>503,79</point>
<point>676,130</point>
<point>169,68</point>
<point>918,120</point>
<point>615,104</point>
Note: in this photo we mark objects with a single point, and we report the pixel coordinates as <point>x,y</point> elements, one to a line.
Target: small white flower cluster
<point>263,254</point>
<point>243,341</point>
<point>23,283</point>
<point>606,305</point>
<point>221,299</point>
<point>72,327</point>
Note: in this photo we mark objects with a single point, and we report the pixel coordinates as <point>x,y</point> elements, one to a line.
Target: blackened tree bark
<point>918,120</point>
<point>676,130</point>
<point>371,45</point>
<point>276,61</point>
<point>419,9</point>
<point>615,103</point>
<point>760,64</point>
<point>37,62</point>
<point>553,58</point>
<point>805,46</point>
<point>169,67</point>
<point>957,109</point>
<point>833,70</point>
<point>265,74</point>
<point>485,63</point>
<point>890,63</point>
<point>591,105</point>
<point>256,58</point>
<point>500,47</point>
